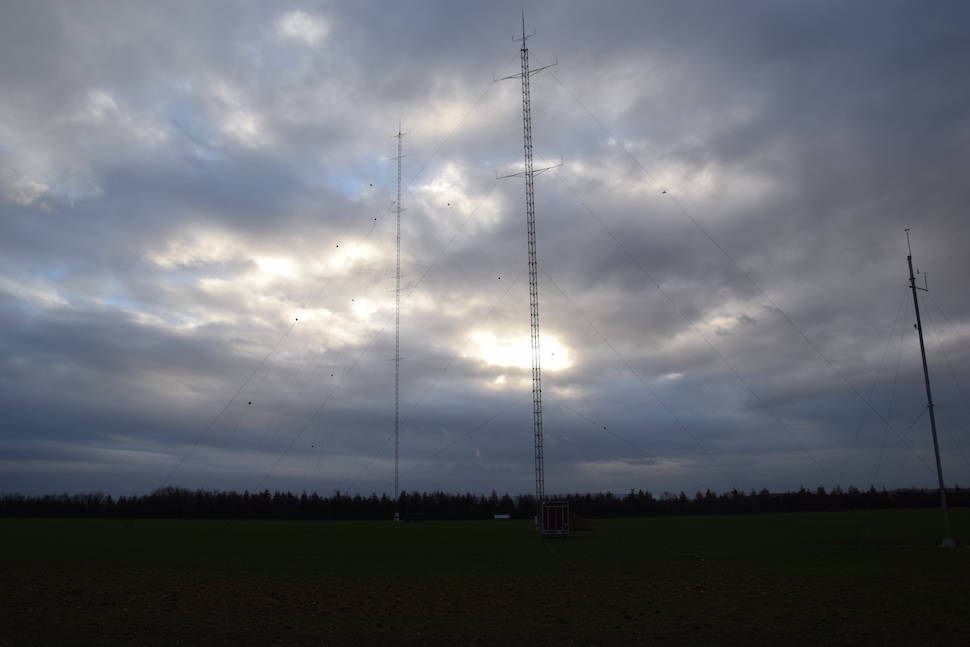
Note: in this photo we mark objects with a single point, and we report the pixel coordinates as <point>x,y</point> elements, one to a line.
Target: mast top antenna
<point>525,36</point>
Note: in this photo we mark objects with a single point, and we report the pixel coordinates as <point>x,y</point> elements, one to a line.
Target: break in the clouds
<point>197,247</point>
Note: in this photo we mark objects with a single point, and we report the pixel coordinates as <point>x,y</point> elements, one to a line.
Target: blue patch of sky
<point>124,301</point>
<point>201,139</point>
<point>52,272</point>
<point>374,176</point>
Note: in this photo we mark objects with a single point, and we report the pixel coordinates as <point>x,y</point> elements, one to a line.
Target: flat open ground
<point>871,578</point>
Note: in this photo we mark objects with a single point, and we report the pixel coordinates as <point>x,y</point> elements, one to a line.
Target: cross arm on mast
<point>532,72</point>
<point>538,171</point>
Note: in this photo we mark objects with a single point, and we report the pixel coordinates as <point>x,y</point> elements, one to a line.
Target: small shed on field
<point>554,519</point>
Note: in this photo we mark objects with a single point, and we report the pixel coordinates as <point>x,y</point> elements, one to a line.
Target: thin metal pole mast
<point>530,218</point>
<point>948,538</point>
<point>397,325</point>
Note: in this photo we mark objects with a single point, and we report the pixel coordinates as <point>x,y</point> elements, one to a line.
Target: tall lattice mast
<point>529,174</point>
<point>530,219</point>
<point>397,324</point>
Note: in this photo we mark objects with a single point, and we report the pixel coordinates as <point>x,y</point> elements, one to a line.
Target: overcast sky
<point>197,244</point>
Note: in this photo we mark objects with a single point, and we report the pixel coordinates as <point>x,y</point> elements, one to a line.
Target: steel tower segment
<point>530,218</point>
<point>529,174</point>
<point>397,324</point>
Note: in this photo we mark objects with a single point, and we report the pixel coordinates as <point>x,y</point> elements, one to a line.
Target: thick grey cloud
<point>196,214</point>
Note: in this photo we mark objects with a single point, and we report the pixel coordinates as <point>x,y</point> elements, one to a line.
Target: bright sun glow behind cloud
<point>277,266</point>
<point>516,352</point>
<point>347,255</point>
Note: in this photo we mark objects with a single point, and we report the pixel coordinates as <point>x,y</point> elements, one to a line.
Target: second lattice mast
<point>397,327</point>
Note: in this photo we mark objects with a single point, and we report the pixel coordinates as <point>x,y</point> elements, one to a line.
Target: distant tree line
<point>173,502</point>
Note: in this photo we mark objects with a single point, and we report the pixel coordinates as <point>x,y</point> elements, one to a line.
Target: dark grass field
<point>867,578</point>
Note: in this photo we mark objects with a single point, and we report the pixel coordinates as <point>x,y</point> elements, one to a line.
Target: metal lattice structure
<point>529,174</point>
<point>530,219</point>
<point>554,519</point>
<point>397,325</point>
